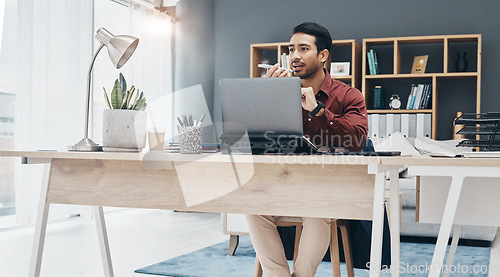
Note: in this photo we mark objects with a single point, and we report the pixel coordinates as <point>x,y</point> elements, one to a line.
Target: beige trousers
<point>314,242</point>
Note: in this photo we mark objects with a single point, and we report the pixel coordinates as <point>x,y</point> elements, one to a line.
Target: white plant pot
<point>124,129</point>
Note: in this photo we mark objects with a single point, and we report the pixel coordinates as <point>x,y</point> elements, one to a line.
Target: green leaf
<point>141,105</point>
<point>135,101</point>
<point>132,89</point>
<point>123,84</point>
<point>124,103</point>
<point>116,96</point>
<point>106,98</point>
<point>138,100</point>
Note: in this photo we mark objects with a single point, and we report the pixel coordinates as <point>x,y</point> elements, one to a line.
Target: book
<point>413,95</point>
<point>370,62</point>
<point>418,96</point>
<point>283,60</point>
<point>375,59</point>
<point>427,102</point>
<point>410,96</point>
<point>424,96</point>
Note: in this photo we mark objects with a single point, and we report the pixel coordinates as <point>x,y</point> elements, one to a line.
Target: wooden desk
<point>458,169</point>
<point>348,187</point>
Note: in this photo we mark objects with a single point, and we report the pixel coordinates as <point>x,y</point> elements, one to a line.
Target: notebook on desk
<point>263,115</point>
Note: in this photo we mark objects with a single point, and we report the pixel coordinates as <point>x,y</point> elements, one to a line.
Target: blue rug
<point>213,261</point>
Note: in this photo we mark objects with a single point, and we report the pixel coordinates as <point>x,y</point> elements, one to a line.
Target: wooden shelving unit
<point>397,43</point>
<point>257,54</point>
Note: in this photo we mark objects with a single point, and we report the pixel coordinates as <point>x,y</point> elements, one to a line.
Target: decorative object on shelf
<point>120,48</point>
<point>419,64</point>
<point>461,63</point>
<point>125,122</point>
<point>340,69</point>
<point>379,97</point>
<point>394,102</point>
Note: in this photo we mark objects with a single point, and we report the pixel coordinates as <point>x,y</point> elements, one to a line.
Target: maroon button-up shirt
<point>344,122</point>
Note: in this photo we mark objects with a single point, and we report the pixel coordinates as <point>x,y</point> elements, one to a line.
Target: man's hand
<point>308,99</point>
<point>276,71</point>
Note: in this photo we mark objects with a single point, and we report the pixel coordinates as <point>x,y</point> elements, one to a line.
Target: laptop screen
<point>261,105</point>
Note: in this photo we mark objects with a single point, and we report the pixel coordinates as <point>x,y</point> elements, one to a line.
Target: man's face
<point>304,55</point>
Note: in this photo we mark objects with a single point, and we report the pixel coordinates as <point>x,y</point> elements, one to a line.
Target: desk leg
<point>103,241</point>
<point>395,223</point>
<point>446,224</point>
<point>41,226</point>
<point>453,249</point>
<point>377,225</point>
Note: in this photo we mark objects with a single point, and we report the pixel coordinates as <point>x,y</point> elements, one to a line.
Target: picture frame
<point>419,64</point>
<point>340,69</point>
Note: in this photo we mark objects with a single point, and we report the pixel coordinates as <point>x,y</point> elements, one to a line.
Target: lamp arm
<point>87,107</point>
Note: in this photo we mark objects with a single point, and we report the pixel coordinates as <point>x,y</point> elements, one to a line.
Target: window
<point>8,83</point>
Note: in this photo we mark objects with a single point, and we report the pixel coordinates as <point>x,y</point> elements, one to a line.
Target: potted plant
<point>125,122</point>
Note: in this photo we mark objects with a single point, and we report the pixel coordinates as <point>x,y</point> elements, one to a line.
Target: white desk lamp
<point>120,48</point>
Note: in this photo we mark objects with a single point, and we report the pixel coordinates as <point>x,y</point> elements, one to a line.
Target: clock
<point>395,102</point>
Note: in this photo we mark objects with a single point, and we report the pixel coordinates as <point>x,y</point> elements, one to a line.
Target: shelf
<point>425,75</point>
<point>348,77</point>
<point>423,39</point>
<point>400,111</point>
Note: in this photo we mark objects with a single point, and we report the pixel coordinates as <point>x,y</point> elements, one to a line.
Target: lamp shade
<point>120,48</point>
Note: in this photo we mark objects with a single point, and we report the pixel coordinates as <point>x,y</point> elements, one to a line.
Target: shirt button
<point>309,119</point>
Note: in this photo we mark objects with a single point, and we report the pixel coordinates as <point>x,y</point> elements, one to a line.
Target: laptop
<point>262,115</point>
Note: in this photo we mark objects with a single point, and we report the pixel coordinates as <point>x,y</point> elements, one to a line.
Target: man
<point>334,114</point>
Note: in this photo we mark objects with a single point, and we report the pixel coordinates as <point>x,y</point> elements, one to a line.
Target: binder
<point>412,126</point>
<point>370,127</point>
<point>382,126</point>
<point>428,125</point>
<point>420,125</point>
<point>375,126</point>
<point>405,124</point>
<point>397,123</point>
<point>390,124</point>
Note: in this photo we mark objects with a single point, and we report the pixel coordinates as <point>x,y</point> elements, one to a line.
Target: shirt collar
<point>327,83</point>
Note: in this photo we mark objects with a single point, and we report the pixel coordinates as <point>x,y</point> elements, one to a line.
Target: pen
<point>201,120</point>
<point>180,122</point>
<point>190,120</point>
<point>185,120</point>
<point>263,65</point>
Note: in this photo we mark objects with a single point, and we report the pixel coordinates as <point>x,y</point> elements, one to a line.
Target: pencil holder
<point>190,140</point>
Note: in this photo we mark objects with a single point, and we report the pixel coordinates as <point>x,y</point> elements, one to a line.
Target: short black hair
<point>323,38</point>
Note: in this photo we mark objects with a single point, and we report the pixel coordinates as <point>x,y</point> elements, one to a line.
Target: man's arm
<point>350,129</point>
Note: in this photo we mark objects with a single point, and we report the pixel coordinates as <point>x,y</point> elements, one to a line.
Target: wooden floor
<point>138,237</point>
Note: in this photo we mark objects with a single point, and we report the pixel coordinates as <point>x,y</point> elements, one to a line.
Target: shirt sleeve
<point>349,129</point>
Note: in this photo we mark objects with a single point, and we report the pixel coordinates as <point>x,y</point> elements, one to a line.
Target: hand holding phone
<point>275,70</point>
